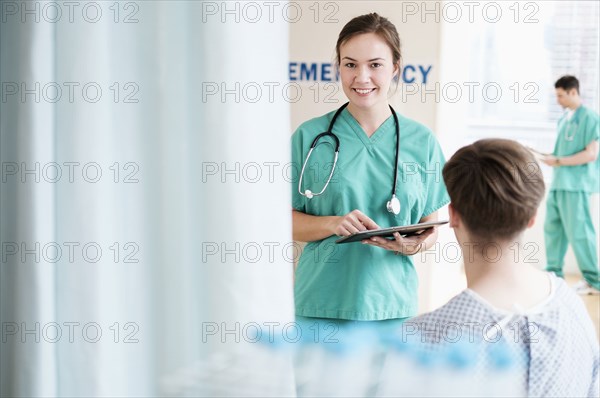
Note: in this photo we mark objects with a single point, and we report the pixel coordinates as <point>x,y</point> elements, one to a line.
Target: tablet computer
<point>406,230</point>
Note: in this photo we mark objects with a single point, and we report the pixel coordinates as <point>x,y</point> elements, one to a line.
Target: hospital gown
<point>554,345</point>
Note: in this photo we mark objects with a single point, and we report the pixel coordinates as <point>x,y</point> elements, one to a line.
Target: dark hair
<point>371,23</point>
<point>567,83</point>
<point>496,186</point>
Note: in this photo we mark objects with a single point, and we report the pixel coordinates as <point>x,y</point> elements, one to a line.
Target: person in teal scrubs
<point>374,280</point>
<point>576,177</point>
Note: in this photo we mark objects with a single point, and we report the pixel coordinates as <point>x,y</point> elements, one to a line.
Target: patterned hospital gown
<point>554,345</point>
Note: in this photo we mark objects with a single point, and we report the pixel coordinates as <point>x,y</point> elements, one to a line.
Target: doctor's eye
<point>350,65</point>
<point>376,65</point>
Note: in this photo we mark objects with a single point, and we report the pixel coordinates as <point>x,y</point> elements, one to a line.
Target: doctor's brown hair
<point>496,186</point>
<point>371,23</point>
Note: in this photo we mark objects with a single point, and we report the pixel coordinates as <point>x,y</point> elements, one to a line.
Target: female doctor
<point>375,280</point>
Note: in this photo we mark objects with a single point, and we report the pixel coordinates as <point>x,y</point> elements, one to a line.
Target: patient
<point>495,188</point>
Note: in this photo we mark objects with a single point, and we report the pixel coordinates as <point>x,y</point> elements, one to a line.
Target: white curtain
<point>163,242</point>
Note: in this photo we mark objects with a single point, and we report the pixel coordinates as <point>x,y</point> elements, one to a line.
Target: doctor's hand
<point>408,246</point>
<point>353,222</point>
<point>550,160</point>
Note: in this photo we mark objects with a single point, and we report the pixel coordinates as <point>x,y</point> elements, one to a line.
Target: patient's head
<point>495,187</point>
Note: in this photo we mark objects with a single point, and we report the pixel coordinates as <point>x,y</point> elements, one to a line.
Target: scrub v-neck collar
<point>574,119</point>
<point>382,131</point>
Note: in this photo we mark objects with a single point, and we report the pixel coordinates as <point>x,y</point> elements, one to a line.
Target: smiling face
<point>366,70</point>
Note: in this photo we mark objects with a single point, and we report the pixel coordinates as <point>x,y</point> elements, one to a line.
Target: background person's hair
<point>567,83</point>
<point>496,186</point>
<point>371,23</point>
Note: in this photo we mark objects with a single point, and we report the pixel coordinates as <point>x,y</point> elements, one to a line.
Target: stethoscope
<point>571,128</point>
<point>392,205</point>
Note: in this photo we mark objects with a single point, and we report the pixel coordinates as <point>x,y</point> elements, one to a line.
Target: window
<point>524,54</point>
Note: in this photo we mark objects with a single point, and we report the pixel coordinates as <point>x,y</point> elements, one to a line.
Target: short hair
<point>567,82</point>
<point>496,186</point>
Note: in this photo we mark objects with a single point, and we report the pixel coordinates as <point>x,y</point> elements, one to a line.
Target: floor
<point>592,303</point>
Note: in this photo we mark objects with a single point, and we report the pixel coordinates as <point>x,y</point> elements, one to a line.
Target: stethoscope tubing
<point>309,194</point>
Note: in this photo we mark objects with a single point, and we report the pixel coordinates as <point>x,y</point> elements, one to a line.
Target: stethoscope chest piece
<point>393,205</point>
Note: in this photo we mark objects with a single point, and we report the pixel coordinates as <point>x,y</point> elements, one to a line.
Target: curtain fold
<point>122,285</point>
<point>27,283</point>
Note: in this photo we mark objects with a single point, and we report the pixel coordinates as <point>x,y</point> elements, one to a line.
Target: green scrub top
<point>573,136</point>
<point>357,281</point>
